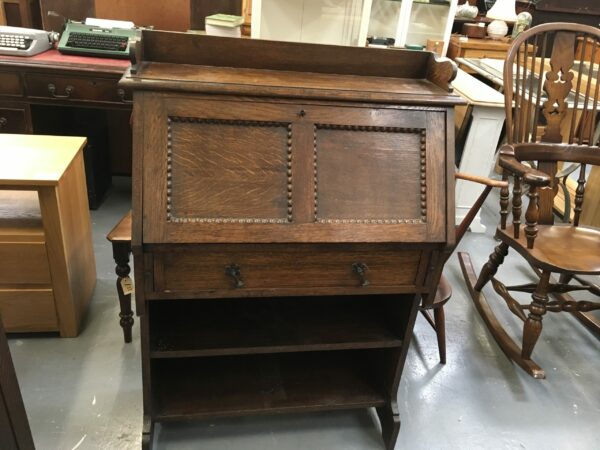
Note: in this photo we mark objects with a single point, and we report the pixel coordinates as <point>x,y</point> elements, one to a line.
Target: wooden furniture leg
<point>491,267</point>
<point>14,426</point>
<point>390,424</point>
<point>121,252</point>
<point>147,433</point>
<point>440,330</point>
<point>537,309</point>
<point>120,238</point>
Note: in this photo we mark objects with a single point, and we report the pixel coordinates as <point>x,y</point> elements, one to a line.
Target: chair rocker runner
<point>552,111</point>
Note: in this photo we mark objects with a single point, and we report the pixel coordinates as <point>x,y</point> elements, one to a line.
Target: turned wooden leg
<point>440,330</point>
<point>121,252</point>
<point>390,424</point>
<point>537,309</point>
<point>565,278</point>
<point>491,267</point>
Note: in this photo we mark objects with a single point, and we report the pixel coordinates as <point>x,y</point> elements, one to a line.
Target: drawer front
<point>10,84</point>
<point>249,172</point>
<point>26,310</point>
<point>494,54</point>
<point>24,263</point>
<point>248,268</point>
<point>13,120</point>
<point>74,88</point>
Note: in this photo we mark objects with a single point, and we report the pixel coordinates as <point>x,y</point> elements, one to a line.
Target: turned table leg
<point>121,252</point>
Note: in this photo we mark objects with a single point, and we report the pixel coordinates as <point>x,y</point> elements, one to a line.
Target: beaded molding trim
<point>249,123</point>
<point>423,173</point>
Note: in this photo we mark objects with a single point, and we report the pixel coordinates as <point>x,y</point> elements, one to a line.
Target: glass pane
<point>384,18</point>
<point>316,21</point>
<point>427,21</point>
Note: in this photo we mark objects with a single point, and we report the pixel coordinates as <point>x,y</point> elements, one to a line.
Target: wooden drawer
<point>24,263</point>
<point>73,88</point>
<point>10,84</point>
<point>494,54</point>
<point>287,267</point>
<point>25,310</point>
<point>14,120</point>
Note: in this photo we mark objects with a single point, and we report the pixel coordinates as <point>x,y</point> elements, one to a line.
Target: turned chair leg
<point>121,252</point>
<point>440,329</point>
<point>537,309</point>
<point>491,267</point>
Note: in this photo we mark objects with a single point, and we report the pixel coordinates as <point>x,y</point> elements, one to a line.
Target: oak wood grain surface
<point>296,198</point>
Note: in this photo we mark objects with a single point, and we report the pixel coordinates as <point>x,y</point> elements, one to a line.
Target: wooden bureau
<point>292,204</point>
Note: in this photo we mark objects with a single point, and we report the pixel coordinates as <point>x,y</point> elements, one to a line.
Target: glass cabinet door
<point>335,22</point>
<point>428,20</point>
<point>383,20</point>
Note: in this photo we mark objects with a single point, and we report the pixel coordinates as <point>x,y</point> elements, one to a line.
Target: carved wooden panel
<point>228,171</point>
<point>236,170</point>
<point>346,159</point>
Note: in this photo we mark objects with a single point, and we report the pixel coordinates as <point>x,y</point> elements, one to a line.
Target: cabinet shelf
<point>264,384</point>
<point>184,328</point>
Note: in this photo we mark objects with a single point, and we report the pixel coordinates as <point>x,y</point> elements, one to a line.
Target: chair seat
<point>559,248</point>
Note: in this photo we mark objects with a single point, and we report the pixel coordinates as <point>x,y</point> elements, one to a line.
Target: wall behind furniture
<point>70,9</point>
<point>173,15</point>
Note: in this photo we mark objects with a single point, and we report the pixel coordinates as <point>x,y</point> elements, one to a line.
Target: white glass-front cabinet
<point>350,22</point>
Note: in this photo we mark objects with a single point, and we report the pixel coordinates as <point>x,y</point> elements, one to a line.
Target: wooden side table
<point>52,166</point>
<point>486,107</point>
<point>477,48</point>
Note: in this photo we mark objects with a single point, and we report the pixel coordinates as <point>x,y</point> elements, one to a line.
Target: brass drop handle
<point>233,271</point>
<point>121,94</point>
<point>3,122</point>
<point>360,269</point>
<point>68,91</point>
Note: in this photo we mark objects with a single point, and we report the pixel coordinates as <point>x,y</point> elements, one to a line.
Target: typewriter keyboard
<point>14,41</point>
<point>97,41</point>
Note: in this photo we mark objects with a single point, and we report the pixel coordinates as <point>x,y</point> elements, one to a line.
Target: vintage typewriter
<point>94,40</point>
<point>24,41</point>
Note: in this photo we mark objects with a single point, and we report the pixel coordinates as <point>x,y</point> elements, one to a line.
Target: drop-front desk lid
<point>250,141</point>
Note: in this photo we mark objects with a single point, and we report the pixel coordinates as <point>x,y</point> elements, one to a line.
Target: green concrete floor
<point>85,393</point>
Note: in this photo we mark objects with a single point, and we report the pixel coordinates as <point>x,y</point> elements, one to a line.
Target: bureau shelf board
<point>292,205</point>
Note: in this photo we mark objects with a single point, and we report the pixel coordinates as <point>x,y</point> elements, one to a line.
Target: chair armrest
<point>530,175</point>
<point>481,180</point>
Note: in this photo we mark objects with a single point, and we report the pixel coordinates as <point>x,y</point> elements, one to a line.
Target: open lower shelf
<point>264,384</point>
<point>184,328</point>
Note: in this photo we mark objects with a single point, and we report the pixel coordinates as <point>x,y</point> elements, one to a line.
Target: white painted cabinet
<point>349,22</point>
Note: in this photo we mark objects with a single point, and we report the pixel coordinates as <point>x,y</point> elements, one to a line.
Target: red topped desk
<point>51,93</point>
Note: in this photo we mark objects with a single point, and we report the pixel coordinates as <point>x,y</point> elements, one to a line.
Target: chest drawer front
<point>10,84</point>
<point>73,88</point>
<point>24,263</point>
<point>250,268</point>
<point>241,171</point>
<point>13,120</point>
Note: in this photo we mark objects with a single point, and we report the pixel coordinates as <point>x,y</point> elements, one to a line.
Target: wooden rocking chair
<point>558,96</point>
